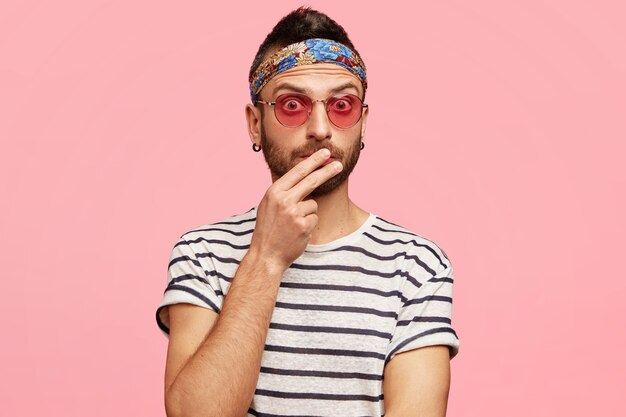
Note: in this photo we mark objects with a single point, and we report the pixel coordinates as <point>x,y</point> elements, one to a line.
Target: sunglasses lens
<point>344,110</point>
<point>292,109</point>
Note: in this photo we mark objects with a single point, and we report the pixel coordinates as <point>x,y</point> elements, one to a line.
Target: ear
<point>364,120</point>
<point>253,119</point>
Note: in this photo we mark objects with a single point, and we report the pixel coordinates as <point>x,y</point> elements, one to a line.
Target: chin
<point>331,185</point>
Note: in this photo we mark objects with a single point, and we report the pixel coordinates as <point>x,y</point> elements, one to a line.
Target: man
<point>307,304</point>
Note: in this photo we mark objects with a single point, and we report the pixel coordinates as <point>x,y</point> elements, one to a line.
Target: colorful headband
<point>307,52</point>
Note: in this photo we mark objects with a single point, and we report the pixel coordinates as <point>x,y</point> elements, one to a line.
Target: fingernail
<point>325,153</point>
<point>338,166</point>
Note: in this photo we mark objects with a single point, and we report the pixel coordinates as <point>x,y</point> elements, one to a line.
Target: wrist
<point>261,262</point>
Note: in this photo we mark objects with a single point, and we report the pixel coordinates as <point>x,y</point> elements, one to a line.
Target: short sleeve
<point>188,281</point>
<point>425,318</point>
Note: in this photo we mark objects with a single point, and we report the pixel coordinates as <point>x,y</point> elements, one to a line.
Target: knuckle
<point>331,169</point>
<point>283,203</point>
<point>300,171</point>
<point>292,212</point>
<point>301,224</point>
<point>311,181</point>
<point>271,193</point>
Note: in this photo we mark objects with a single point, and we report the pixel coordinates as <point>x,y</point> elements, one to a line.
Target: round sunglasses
<point>293,109</point>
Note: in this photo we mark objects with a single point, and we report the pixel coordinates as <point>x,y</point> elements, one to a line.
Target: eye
<point>342,104</point>
<point>292,104</point>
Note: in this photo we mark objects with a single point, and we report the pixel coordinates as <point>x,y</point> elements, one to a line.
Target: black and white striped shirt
<point>343,310</point>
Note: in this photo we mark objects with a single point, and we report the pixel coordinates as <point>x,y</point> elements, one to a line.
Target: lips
<point>326,162</point>
<point>306,155</point>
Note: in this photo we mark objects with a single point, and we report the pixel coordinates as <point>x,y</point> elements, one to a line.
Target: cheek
<point>269,119</point>
<point>277,132</point>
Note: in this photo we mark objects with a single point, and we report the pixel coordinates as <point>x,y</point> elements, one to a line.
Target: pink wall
<point>495,130</point>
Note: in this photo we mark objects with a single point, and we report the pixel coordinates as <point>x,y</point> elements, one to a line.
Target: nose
<point>319,126</point>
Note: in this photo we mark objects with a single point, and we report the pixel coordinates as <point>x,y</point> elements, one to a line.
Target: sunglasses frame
<point>273,104</point>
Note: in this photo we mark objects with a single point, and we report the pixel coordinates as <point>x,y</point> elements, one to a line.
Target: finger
<point>315,179</point>
<point>311,221</point>
<point>302,169</point>
<point>307,207</point>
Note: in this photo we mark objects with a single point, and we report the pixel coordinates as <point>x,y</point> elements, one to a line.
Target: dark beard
<point>280,163</point>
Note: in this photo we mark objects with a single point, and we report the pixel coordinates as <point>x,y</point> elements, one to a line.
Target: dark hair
<point>301,24</point>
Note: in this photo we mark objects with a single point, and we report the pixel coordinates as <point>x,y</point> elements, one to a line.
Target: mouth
<point>326,162</point>
<point>306,155</point>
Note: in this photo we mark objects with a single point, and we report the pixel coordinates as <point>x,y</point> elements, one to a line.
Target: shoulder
<point>385,232</point>
<point>236,226</point>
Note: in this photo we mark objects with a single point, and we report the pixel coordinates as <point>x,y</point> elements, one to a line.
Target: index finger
<point>302,169</point>
<point>314,179</point>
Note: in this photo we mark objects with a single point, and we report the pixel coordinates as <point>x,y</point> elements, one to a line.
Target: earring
<point>362,145</point>
<point>257,148</point>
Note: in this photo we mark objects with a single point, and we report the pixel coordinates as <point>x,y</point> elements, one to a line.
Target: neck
<point>337,216</point>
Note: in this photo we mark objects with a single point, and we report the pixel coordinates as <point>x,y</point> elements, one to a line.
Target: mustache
<point>309,150</point>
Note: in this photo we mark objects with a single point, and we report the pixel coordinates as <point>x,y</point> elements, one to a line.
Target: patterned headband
<point>307,52</point>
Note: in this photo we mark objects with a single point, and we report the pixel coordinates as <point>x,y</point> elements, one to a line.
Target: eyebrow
<point>299,89</point>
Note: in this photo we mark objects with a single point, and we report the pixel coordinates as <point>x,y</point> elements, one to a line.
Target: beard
<point>280,161</point>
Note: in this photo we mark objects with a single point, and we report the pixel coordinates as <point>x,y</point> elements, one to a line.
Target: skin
<point>228,347</point>
<point>307,202</point>
<point>417,382</point>
<point>337,214</point>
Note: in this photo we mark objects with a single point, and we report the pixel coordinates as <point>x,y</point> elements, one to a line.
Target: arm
<point>416,378</point>
<point>416,383</point>
<point>219,377</point>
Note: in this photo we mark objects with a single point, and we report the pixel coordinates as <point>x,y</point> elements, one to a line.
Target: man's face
<point>284,147</point>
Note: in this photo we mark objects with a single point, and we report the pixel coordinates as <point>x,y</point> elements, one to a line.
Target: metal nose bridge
<point>318,100</point>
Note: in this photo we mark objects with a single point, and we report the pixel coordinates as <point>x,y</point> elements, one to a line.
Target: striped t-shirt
<point>343,310</point>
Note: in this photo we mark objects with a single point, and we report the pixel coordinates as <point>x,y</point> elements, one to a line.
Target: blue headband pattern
<point>307,52</point>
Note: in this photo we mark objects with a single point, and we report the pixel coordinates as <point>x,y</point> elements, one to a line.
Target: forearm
<point>221,377</point>
<point>436,414</point>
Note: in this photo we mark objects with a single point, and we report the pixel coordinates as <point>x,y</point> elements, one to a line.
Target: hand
<point>285,221</point>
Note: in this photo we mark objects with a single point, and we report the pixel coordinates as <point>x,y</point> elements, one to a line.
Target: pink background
<point>496,130</point>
